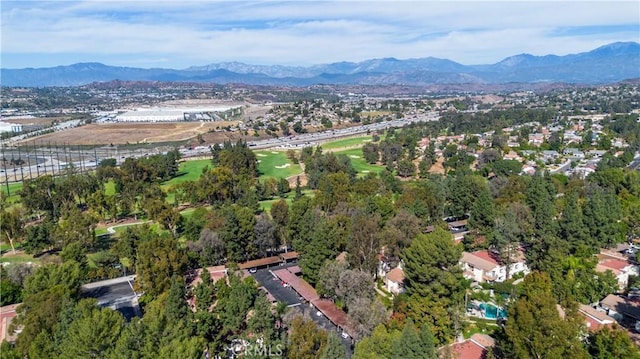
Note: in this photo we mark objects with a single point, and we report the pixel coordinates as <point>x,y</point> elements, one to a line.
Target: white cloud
<point>309,32</point>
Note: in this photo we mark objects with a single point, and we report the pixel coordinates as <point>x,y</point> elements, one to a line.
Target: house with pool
<point>487,266</point>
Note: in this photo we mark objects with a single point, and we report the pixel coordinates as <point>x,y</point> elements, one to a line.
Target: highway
<point>54,160</point>
<point>311,139</point>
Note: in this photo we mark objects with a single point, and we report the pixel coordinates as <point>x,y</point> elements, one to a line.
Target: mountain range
<point>607,64</point>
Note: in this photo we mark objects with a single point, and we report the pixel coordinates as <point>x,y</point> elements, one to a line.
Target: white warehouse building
<point>174,114</point>
<point>10,127</point>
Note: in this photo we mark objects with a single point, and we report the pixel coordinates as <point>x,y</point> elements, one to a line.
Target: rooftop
<point>298,284</point>
<point>483,262</point>
<point>260,262</point>
<point>396,275</point>
<point>622,305</point>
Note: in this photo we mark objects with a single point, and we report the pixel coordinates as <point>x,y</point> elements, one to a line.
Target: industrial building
<point>213,113</point>
<point>10,127</point>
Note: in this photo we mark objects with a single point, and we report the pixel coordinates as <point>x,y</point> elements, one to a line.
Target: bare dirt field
<point>37,120</point>
<point>122,133</point>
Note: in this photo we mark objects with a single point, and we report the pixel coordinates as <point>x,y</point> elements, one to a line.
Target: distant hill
<point>610,63</point>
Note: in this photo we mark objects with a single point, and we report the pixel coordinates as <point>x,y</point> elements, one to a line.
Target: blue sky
<point>179,34</point>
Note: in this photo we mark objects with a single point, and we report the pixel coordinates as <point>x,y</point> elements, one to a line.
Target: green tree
<point>334,349</point>
<point>431,266</point>
<point>536,328</point>
<point>204,291</point>
<point>93,334</point>
<point>67,276</point>
<point>378,345</point>
<point>406,168</point>
<point>572,226</point>
<point>239,234</point>
<point>306,340</point>
<point>333,189</point>
<point>158,259</point>
<point>482,212</point>
<point>414,344</point>
<point>433,279</point>
<point>612,344</point>
<point>38,315</point>
<point>364,242</point>
<point>11,226</point>
<point>370,152</point>
<point>262,321</point>
<point>176,305</point>
<point>602,215</point>
<point>280,215</point>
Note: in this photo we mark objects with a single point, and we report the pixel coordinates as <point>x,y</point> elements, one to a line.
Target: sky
<point>179,34</point>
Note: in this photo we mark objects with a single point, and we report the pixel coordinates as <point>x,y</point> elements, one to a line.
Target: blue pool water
<point>492,312</point>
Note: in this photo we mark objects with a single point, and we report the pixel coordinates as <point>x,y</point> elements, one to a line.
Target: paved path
<point>112,229</point>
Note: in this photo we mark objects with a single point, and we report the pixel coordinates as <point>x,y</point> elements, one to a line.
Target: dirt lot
<point>37,120</point>
<point>122,133</point>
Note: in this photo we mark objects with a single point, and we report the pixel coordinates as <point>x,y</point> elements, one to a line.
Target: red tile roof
<point>595,319</point>
<point>396,275</point>
<point>334,314</point>
<point>294,269</point>
<point>289,255</point>
<point>7,313</point>
<point>473,348</point>
<point>614,264</point>
<point>490,257</point>
<point>298,284</point>
<point>260,262</point>
<point>216,273</point>
<point>468,350</point>
<point>477,261</point>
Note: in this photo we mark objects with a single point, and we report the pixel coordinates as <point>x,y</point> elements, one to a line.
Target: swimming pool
<point>492,312</point>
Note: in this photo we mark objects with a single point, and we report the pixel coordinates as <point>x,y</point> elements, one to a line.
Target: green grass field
<point>275,164</point>
<point>346,142</point>
<point>12,191</point>
<point>358,162</point>
<point>19,258</point>
<point>189,171</point>
<point>13,188</point>
<point>266,205</point>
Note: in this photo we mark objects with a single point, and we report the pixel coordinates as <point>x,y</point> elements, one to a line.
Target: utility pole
<point>4,166</point>
<point>21,163</point>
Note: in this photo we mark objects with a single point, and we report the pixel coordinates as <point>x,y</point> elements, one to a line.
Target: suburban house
<point>595,319</point>
<point>485,266</point>
<point>622,309</point>
<point>394,281</point>
<point>7,314</point>
<point>475,347</point>
<point>620,266</point>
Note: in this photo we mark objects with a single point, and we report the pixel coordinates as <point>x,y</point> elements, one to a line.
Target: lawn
<point>480,327</point>
<point>18,258</point>
<point>188,171</point>
<point>266,205</point>
<point>346,142</point>
<point>13,187</point>
<point>275,164</point>
<point>358,162</point>
<point>13,191</point>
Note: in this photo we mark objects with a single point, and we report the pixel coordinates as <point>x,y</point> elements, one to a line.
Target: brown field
<point>37,120</point>
<point>122,133</point>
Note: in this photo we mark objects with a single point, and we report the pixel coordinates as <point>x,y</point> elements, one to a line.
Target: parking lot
<point>286,294</point>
